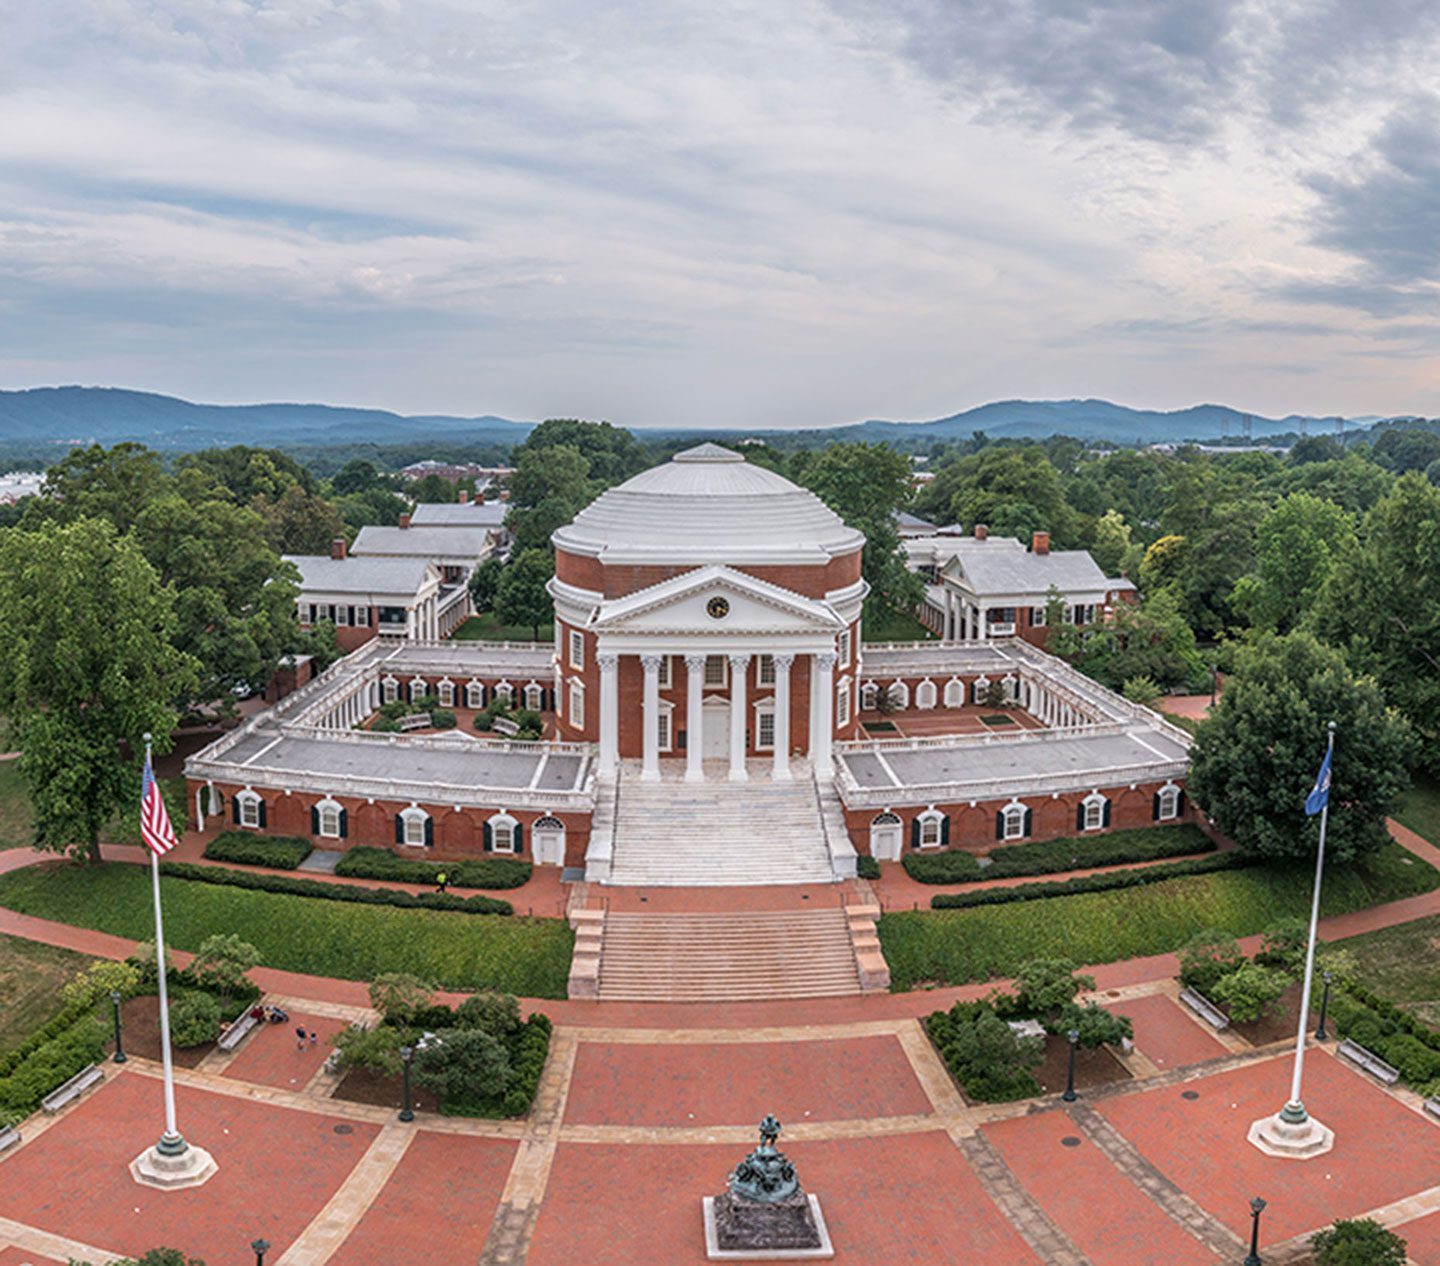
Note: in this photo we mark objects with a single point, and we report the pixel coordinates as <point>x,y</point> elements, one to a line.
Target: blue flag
<point>1319,795</point>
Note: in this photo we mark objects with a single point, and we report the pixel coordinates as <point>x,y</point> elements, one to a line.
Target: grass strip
<point>323,890</point>
<point>1047,857</point>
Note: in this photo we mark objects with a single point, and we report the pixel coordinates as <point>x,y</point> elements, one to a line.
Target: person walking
<point>299,1037</point>
<point>443,880</point>
<point>314,1039</point>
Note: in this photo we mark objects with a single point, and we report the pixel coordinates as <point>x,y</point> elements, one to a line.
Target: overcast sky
<point>776,212</point>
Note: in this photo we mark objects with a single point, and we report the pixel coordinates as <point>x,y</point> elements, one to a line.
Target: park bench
<point>1368,1062</point>
<point>9,1138</point>
<point>72,1089</point>
<point>505,726</point>
<point>1205,1009</point>
<point>415,721</point>
<point>237,1031</point>
<point>1432,1106</point>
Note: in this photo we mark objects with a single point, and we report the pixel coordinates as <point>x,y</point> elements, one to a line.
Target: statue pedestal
<point>1275,1136</point>
<point>737,1229</point>
<point>191,1168</point>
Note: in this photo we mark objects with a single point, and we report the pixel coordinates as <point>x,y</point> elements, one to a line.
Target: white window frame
<point>954,693</point>
<point>1011,686</point>
<point>765,670</point>
<point>764,714</point>
<point>899,694</point>
<point>926,695</point>
<point>1094,806</point>
<point>342,617</point>
<point>665,674</point>
<point>842,702</point>
<point>417,689</point>
<point>1037,617</point>
<point>249,803</point>
<point>328,811</point>
<point>842,649</point>
<point>978,687</point>
<point>577,649</point>
<point>869,695</point>
<point>932,825</point>
<point>708,683</point>
<point>1169,803</point>
<point>446,691</point>
<point>361,617</point>
<point>1014,821</point>
<point>534,696</point>
<point>414,817</point>
<point>665,726</point>
<point>576,705</point>
<point>506,691</point>
<point>390,690</point>
<point>503,821</point>
<point>474,693</point>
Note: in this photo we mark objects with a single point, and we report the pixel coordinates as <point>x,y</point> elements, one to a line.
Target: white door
<point>717,729</point>
<point>549,838</point>
<point>885,840</point>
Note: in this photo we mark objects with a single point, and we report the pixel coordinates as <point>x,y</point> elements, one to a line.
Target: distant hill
<point>62,415</point>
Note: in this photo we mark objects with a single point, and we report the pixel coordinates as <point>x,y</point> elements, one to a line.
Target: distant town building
<point>18,484</point>
<point>456,471</point>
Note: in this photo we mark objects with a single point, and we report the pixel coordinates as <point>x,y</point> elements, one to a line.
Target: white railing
<point>438,742</point>
<point>1018,786</point>
<point>989,739</point>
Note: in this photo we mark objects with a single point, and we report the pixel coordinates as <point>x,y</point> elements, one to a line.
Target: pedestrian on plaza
<point>299,1037</point>
<point>314,1038</point>
<point>443,879</point>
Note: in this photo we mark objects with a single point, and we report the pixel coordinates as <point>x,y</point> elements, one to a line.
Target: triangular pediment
<point>715,600</point>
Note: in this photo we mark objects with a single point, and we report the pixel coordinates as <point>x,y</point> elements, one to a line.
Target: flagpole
<point>172,1142</point>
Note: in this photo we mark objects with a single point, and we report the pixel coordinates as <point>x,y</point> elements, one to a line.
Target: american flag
<point>155,827</point>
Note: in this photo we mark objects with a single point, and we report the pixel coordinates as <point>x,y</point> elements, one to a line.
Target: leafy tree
<point>550,487</point>
<point>612,454</point>
<point>1150,641</point>
<point>222,961</point>
<point>990,1059</point>
<point>484,581</point>
<point>1095,1025</point>
<point>1255,757</point>
<point>1207,957</point>
<point>1297,545</point>
<point>1382,606</point>
<point>1250,990</point>
<point>432,489</point>
<point>1315,448</point>
<point>97,981</point>
<point>89,666</point>
<point>355,477</point>
<point>496,1013</point>
<point>1043,986</point>
<point>377,1049</point>
<point>194,1018</point>
<point>246,473</point>
<point>378,506</point>
<point>463,1063</point>
<point>1408,448</point>
<point>1358,1242</point>
<point>113,484</point>
<point>1141,690</point>
<point>397,996</point>
<point>299,522</point>
<point>155,1257</point>
<point>1112,549</point>
<point>1013,490</point>
<point>521,597</point>
<point>1351,482</point>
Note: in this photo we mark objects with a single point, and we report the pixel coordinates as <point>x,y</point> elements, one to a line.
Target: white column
<point>984,624</point>
<point>694,718</point>
<point>781,769</point>
<point>822,689</point>
<point>739,666</point>
<point>650,766</point>
<point>609,709</point>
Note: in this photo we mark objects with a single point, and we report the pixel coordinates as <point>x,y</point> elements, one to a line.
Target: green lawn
<point>957,946</point>
<point>893,626</point>
<point>1421,812</point>
<point>1401,965</point>
<point>16,820</point>
<point>486,628</point>
<point>31,976</point>
<point>529,957</point>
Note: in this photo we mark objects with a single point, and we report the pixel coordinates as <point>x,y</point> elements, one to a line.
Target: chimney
<point>404,520</point>
<point>464,496</point>
<point>981,531</point>
<point>505,494</point>
<point>337,548</point>
<point>1040,543</point>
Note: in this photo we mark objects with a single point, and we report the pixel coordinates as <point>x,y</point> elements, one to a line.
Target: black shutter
<point>399,829</point>
<point>261,807</point>
<point>344,823</point>
<point>1000,824</point>
<point>489,840</point>
<point>1155,807</point>
<point>1080,816</point>
<point>1180,805</point>
<point>1029,817</point>
<point>1106,820</point>
<point>429,832</point>
<point>314,820</point>
<point>519,838</point>
<point>682,739</point>
<point>235,809</point>
<point>945,830</point>
<point>914,832</point>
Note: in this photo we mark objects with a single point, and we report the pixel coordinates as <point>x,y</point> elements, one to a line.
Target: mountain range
<point>69,415</point>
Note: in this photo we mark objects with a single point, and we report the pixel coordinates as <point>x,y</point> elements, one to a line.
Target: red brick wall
<point>617,580</point>
<point>458,834</point>
<point>973,829</point>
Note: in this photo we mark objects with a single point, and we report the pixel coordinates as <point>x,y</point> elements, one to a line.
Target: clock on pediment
<point>717,608</point>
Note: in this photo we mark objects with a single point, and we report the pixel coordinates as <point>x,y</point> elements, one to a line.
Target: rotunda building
<point>708,611</point>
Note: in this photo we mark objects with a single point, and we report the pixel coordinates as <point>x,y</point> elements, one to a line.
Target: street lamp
<point>1320,1034</point>
<point>261,1247</point>
<point>1257,1207</point>
<point>1073,1037</point>
<point>115,1006</point>
<point>407,1053</point>
<point>1214,680</point>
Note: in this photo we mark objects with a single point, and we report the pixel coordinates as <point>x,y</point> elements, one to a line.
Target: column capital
<point>783,661</point>
<point>740,661</point>
<point>695,663</point>
<point>608,660</point>
<point>825,660</point>
<point>651,663</point>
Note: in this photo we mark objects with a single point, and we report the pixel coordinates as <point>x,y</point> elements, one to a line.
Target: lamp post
<point>1257,1207</point>
<point>1214,680</point>
<point>119,1057</point>
<point>1320,1034</point>
<point>1073,1037</point>
<point>407,1053</point>
<point>261,1247</point>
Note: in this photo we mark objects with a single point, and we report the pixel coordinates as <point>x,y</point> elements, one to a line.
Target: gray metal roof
<point>1004,566</point>
<point>488,514</point>
<point>390,577</point>
<point>423,542</point>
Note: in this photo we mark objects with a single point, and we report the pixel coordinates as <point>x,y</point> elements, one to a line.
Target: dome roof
<point>708,505</point>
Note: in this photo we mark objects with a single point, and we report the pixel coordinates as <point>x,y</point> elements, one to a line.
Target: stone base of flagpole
<point>170,1170</point>
<point>1290,1139</point>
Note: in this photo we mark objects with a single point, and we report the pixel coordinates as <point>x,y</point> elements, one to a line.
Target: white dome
<point>709,505</point>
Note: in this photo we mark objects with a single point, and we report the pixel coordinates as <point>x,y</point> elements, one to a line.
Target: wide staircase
<point>713,834</point>
<point>727,957</point>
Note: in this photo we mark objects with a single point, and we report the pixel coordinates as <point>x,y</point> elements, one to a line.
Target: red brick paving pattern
<point>437,1206</point>
<point>13,1256</point>
<point>738,1083</point>
<point>268,1057</point>
<point>1107,1218</point>
<point>1201,1145</point>
<point>887,1200</point>
<point>1165,1034</point>
<point>1422,1238</point>
<point>278,1167</point>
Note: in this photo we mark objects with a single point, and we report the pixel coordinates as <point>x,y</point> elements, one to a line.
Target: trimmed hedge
<point>279,852</point>
<point>1110,882</point>
<point>48,1064</point>
<point>867,867</point>
<point>1046,857</point>
<point>296,887</point>
<point>364,862</point>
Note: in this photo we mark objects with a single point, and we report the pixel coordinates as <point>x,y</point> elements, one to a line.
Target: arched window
<point>505,691</point>
<point>418,689</point>
<point>765,726</point>
<point>549,838</point>
<point>1167,803</point>
<point>391,689</point>
<point>978,688</point>
<point>327,819</point>
<point>925,694</point>
<point>1012,822</point>
<point>885,835</point>
<point>1011,689</point>
<point>503,834</point>
<point>249,810</point>
<point>474,694</point>
<point>1094,813</point>
<point>868,692</point>
<point>446,691</point>
<point>899,694</point>
<point>666,725</point>
<point>414,827</point>
<point>535,697</point>
<point>954,693</point>
<point>930,830</point>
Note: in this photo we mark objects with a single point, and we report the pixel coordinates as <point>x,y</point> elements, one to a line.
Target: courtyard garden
<point>31,976</point>
<point>488,628</point>
<point>1421,810</point>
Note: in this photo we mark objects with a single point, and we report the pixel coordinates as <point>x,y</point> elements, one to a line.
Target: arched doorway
<point>717,729</point>
<point>885,837</point>
<point>549,841</point>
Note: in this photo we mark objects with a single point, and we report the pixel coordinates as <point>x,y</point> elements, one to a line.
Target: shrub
<point>1249,991</point>
<point>866,867</point>
<point>1111,882</point>
<point>398,996</point>
<point>953,867</point>
<point>1284,944</point>
<point>1044,857</point>
<point>322,889</point>
<point>194,1018</point>
<point>1141,690</point>
<point>984,1053</point>
<point>1096,1026</point>
<point>377,1049</point>
<point>394,710</point>
<point>1358,1242</point>
<point>34,1069</point>
<point>384,725</point>
<point>90,984</point>
<point>365,862</point>
<point>1206,957</point>
<point>155,1257</point>
<point>279,852</point>
<point>442,719</point>
<point>463,1064</point>
<point>529,1047</point>
<point>1044,986</point>
<point>221,963</point>
<point>497,1014</point>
